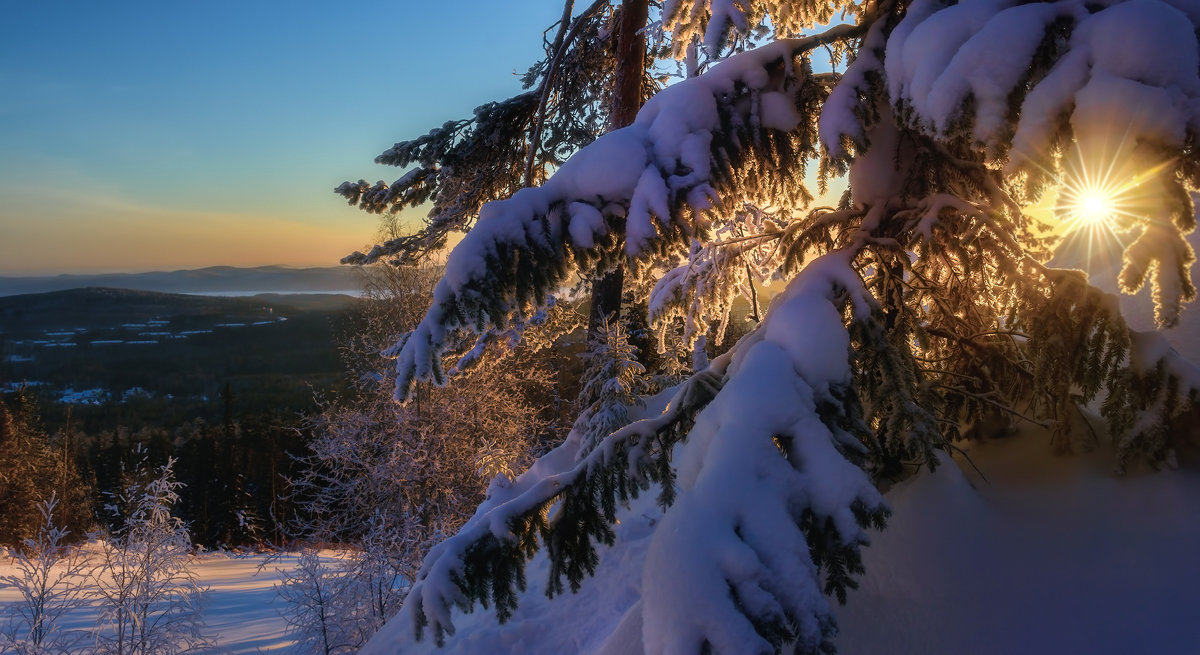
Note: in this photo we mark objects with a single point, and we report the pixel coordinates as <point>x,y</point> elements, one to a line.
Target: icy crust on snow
<point>651,173</point>
<point>1131,63</point>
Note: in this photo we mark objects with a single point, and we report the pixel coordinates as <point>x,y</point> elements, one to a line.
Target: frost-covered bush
<point>387,482</point>
<point>148,598</point>
<point>313,596</point>
<point>51,580</point>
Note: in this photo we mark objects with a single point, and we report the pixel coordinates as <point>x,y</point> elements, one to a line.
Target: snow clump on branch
<point>655,176</point>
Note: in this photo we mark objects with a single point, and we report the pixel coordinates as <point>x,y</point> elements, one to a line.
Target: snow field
<point>242,613</point>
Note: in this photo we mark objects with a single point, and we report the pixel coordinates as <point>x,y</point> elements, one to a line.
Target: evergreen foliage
<point>33,468</point>
<point>918,308</point>
<point>505,146</point>
<point>613,382</point>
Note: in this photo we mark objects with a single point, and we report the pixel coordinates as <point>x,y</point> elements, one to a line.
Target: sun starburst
<point>1105,199</point>
<point>1090,207</point>
<point>1100,200</point>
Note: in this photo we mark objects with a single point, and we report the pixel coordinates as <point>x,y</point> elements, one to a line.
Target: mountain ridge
<point>211,279</point>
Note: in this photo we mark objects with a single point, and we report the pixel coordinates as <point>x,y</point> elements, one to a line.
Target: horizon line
<point>85,272</point>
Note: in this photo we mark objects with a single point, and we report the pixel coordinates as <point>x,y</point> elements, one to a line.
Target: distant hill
<point>213,280</point>
<point>105,307</point>
<point>174,352</point>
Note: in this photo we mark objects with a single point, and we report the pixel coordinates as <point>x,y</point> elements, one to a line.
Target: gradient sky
<point>167,134</point>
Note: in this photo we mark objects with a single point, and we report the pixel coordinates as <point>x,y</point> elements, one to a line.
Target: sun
<point>1103,201</point>
<point>1107,195</point>
<point>1095,206</point>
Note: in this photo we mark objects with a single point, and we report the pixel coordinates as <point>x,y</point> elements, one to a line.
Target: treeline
<point>234,472</point>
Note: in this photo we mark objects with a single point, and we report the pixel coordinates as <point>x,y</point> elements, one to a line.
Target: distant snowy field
<point>243,611</point>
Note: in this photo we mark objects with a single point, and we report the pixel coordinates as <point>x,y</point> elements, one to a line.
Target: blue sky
<point>170,134</point>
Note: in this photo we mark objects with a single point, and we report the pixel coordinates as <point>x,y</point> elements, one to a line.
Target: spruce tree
<point>918,304</point>
<point>35,466</point>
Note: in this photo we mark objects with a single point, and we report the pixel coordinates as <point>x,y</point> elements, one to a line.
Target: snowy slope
<point>1049,555</point>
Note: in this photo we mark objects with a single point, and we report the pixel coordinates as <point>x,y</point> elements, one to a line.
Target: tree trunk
<point>627,100</point>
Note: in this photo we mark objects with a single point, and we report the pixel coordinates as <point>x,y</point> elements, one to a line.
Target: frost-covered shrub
<point>148,598</point>
<point>51,580</point>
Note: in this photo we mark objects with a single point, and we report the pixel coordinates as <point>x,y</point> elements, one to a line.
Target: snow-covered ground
<point>243,610</point>
<point>1048,555</point>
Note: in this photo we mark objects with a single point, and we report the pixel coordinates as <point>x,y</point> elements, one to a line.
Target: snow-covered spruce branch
<point>494,544</point>
<point>701,293</point>
<point>505,146</point>
<point>1075,335</point>
<point>951,254</point>
<point>657,177</point>
<point>774,420</point>
<point>1036,90</point>
<point>1073,343</point>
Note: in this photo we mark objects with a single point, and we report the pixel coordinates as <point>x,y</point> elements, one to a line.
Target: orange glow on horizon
<point>134,244</point>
